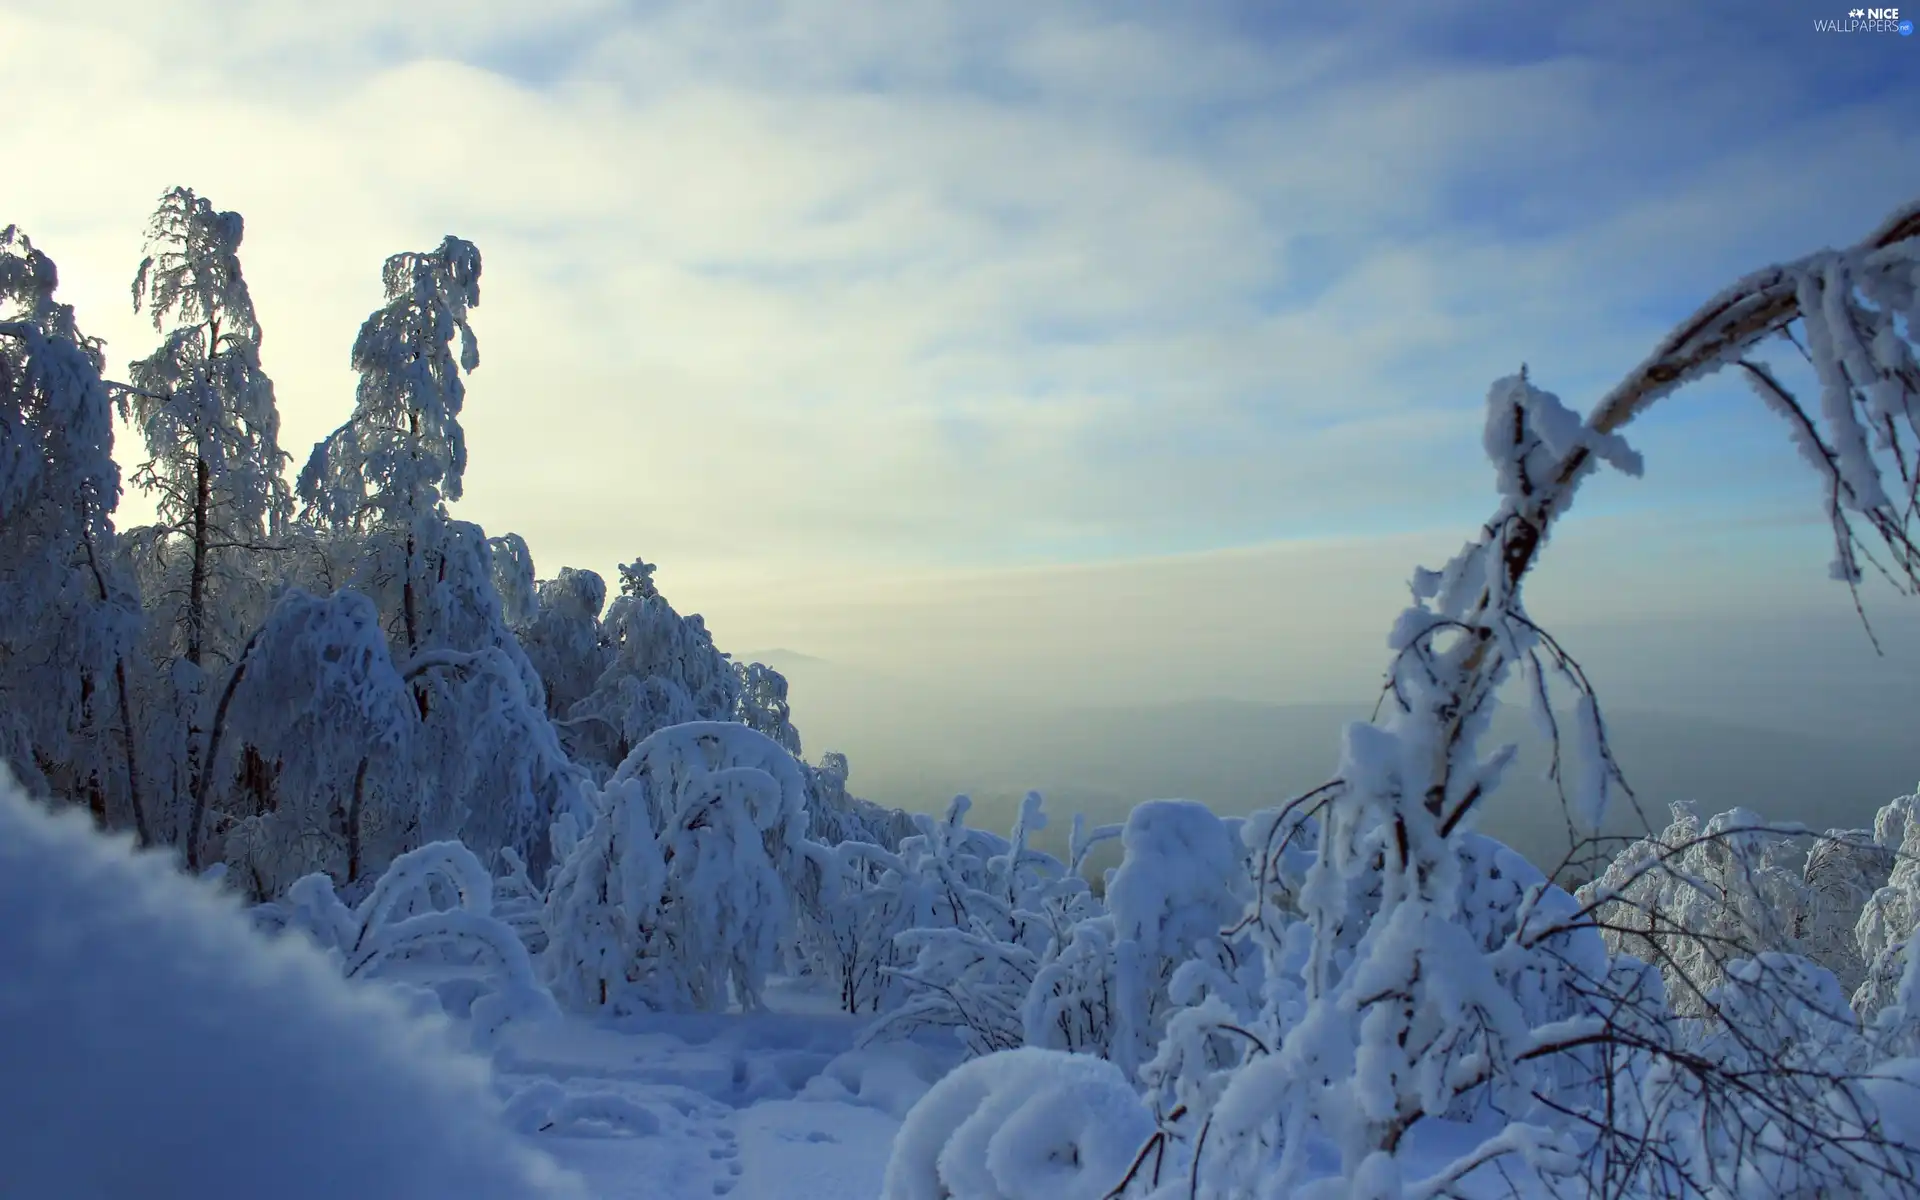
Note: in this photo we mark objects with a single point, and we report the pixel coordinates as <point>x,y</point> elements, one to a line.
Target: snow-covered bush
<point>989,911</point>
<point>431,909</point>
<point>1889,921</point>
<point>679,892</point>
<point>859,893</point>
<point>153,1044</point>
<point>1182,881</point>
<point>520,902</point>
<point>1027,1124</point>
<point>314,694</point>
<point>1699,894</point>
<point>861,897</point>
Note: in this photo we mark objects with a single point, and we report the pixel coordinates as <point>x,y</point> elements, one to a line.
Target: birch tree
<point>68,616</point>
<point>206,410</point>
<point>391,469</point>
<point>1417,1018</point>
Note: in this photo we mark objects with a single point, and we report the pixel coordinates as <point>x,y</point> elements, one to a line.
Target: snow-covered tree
<point>485,746</point>
<point>489,764</point>
<point>1844,869</point>
<point>563,638</point>
<point>662,669</point>
<point>402,454</point>
<point>70,615</point>
<point>513,579</point>
<point>1421,1017</point>
<point>206,411</point>
<point>1699,894</point>
<point>680,888</point>
<point>762,704</point>
<point>835,815</point>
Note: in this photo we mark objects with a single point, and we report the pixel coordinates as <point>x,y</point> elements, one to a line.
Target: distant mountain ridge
<point>780,659</point>
<point>915,750</point>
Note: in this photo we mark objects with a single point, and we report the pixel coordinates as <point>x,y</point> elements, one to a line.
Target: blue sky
<point>794,297</point>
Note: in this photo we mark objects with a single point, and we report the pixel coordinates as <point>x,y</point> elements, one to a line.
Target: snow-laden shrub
<point>1844,868</point>
<point>315,695</point>
<point>834,815</point>
<point>519,902</point>
<point>1890,919</point>
<point>991,910</point>
<point>761,703</point>
<point>863,897</point>
<point>882,872</point>
<point>1700,893</point>
<point>678,893</point>
<point>1025,1124</point>
<point>153,1044</point>
<point>1182,881</point>
<point>432,908</point>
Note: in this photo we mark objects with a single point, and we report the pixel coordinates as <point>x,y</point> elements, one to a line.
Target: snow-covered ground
<point>763,1105</point>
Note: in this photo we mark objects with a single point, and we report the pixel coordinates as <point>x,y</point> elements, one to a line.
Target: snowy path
<point>692,1107</point>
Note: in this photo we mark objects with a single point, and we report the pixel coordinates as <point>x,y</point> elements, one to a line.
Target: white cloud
<point>789,292</point>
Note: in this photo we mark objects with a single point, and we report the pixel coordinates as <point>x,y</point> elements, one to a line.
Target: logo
<point>1866,20</point>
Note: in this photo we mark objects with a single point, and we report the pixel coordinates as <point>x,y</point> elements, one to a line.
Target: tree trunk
<point>197,586</point>
<point>409,611</point>
<point>127,737</point>
<point>408,603</point>
<point>134,797</point>
<point>197,817</point>
<point>353,821</point>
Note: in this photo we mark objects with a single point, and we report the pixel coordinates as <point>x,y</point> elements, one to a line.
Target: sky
<point>1105,349</point>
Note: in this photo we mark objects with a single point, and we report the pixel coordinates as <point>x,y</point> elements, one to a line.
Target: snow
<point>1023,1125</point>
<point>775,1104</point>
<point>153,1044</point>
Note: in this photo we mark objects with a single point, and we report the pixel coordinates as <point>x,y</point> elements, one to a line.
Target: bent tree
<point>1411,1005</point>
